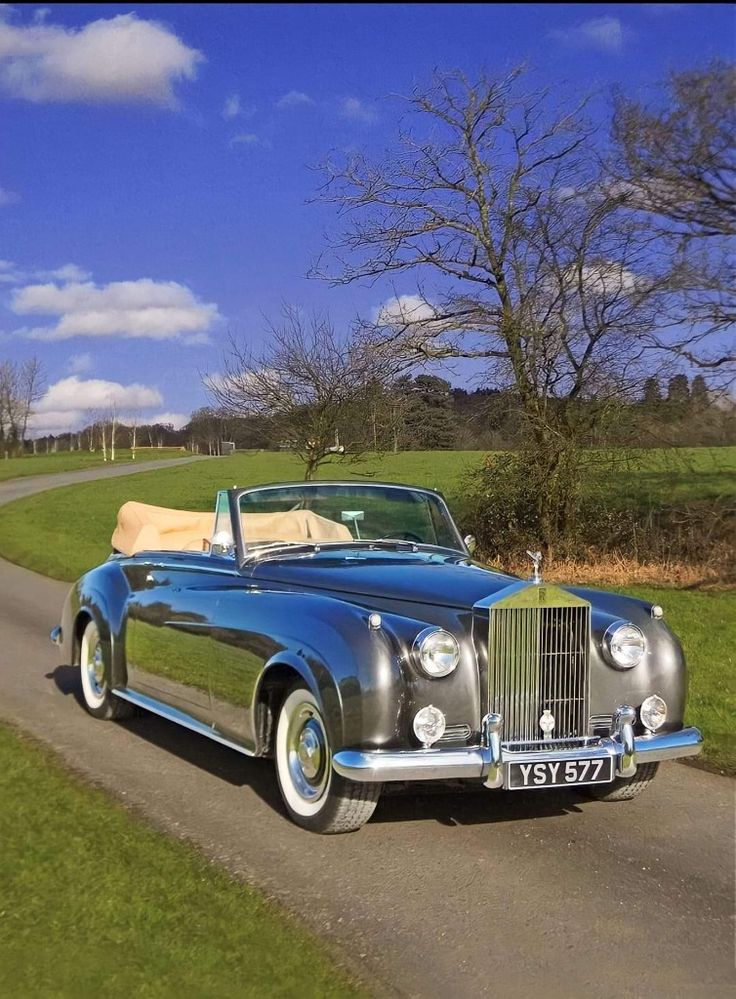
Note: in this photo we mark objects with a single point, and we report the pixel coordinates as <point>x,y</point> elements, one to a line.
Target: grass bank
<point>95,902</point>
<point>31,534</point>
<point>72,461</point>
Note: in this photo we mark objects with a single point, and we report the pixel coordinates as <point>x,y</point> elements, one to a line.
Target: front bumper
<point>488,761</point>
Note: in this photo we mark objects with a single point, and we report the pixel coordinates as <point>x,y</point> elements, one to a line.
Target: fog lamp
<point>429,725</point>
<point>653,713</point>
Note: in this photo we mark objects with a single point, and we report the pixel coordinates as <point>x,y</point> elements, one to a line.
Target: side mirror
<point>470,543</point>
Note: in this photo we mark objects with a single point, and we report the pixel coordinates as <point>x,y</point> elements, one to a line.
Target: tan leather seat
<point>143,527</point>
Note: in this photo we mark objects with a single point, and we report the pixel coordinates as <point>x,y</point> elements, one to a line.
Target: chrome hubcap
<point>307,753</point>
<point>309,750</point>
<point>96,670</point>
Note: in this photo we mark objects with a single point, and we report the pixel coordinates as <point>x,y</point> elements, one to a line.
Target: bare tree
<point>21,386</point>
<point>677,164</point>
<point>135,419</point>
<point>312,387</point>
<point>538,268</point>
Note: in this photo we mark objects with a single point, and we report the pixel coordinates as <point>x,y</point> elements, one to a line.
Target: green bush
<point>579,513</point>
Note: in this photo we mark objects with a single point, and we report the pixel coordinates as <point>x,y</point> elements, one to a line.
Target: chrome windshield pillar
<point>622,731</point>
<point>492,725</point>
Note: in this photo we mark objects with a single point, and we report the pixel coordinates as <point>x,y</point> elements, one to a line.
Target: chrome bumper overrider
<point>487,762</point>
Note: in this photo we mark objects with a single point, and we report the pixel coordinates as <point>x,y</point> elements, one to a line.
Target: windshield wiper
<point>255,550</point>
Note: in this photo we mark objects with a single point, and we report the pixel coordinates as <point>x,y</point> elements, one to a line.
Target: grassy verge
<point>95,902</point>
<point>72,461</point>
<point>30,532</point>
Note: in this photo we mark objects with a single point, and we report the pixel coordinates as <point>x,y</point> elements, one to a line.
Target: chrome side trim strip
<point>178,717</point>
<point>481,761</point>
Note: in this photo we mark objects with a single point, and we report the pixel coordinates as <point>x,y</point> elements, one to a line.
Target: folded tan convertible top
<point>142,527</point>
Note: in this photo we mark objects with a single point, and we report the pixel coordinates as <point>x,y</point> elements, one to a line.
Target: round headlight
<point>437,651</point>
<point>429,725</point>
<point>625,645</point>
<point>653,713</point>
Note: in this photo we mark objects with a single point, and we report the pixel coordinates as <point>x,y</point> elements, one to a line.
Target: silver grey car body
<point>215,641</point>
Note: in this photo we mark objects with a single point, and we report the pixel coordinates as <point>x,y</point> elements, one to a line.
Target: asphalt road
<point>30,484</point>
<point>489,894</point>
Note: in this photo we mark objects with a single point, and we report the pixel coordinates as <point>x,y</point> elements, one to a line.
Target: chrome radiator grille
<point>538,659</point>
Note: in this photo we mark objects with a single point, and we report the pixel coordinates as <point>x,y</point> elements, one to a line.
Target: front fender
<point>353,670</point>
<point>101,593</point>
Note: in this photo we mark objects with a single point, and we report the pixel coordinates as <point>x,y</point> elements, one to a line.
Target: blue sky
<point>155,162</point>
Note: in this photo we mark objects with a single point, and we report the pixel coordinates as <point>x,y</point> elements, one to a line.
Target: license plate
<point>559,773</point>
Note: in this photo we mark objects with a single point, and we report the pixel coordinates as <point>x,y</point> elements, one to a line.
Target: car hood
<point>413,577</point>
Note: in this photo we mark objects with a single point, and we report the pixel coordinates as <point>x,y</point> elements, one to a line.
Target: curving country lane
<point>439,895</point>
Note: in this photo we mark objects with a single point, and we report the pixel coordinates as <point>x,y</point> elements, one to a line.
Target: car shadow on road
<point>418,803</point>
<point>197,750</point>
<point>474,807</point>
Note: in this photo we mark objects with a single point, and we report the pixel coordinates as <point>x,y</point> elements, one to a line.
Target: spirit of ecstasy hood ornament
<point>536,558</point>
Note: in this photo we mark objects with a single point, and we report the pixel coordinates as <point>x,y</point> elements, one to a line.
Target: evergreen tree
<point>678,391</point>
<point>699,394</point>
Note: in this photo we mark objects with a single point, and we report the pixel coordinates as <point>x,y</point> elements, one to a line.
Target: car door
<point>243,641</point>
<point>168,633</point>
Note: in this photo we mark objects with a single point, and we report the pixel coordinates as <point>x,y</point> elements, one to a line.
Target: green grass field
<point>96,903</point>
<point>72,461</point>
<point>31,534</point>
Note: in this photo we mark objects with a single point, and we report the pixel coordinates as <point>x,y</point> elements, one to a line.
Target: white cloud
<point>358,110</point>
<point>155,310</point>
<point>231,108</point>
<point>609,280</point>
<point>606,280</point>
<point>8,197</point>
<point>249,139</point>
<point>11,274</point>
<point>69,272</point>
<point>403,310</point>
<point>177,420</point>
<point>69,403</point>
<point>79,364</point>
<point>294,99</point>
<point>123,58</point>
<point>605,33</point>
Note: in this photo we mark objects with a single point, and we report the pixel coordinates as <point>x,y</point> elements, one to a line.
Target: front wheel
<point>94,672</point>
<point>624,788</point>
<point>315,796</point>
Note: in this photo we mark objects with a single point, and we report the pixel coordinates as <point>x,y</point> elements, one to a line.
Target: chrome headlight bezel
<point>429,643</point>
<point>614,642</point>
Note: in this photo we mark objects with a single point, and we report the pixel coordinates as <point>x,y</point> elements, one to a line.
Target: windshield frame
<point>245,555</point>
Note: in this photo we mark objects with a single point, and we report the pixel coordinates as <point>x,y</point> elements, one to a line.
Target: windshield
<point>323,513</point>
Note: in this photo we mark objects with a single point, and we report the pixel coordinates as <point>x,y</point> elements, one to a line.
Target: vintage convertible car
<point>343,629</point>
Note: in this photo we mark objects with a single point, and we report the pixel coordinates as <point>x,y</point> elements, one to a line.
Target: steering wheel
<point>403,536</point>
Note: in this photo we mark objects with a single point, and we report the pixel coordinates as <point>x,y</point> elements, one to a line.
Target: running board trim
<point>178,717</point>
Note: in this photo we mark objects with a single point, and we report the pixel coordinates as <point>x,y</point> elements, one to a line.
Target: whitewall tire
<point>315,796</point>
<point>94,671</point>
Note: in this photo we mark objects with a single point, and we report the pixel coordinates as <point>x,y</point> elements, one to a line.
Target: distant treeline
<point>434,415</point>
